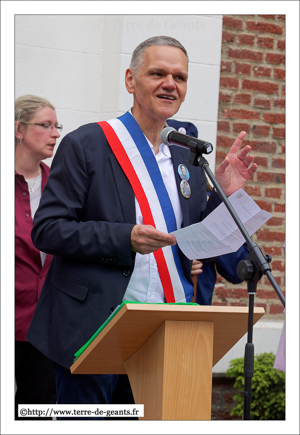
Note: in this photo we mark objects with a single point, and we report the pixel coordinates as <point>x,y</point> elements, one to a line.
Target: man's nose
<point>169,82</point>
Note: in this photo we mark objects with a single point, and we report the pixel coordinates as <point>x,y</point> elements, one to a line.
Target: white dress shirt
<point>145,284</point>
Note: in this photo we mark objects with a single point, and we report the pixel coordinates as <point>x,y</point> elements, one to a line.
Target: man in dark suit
<point>98,218</point>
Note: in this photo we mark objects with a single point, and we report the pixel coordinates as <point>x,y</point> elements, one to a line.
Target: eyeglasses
<point>46,125</point>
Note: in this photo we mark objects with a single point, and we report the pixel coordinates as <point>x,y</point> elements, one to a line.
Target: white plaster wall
<point>266,336</point>
<point>60,57</point>
<point>78,62</point>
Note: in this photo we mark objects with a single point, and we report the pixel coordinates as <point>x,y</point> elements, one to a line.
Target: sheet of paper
<point>218,234</point>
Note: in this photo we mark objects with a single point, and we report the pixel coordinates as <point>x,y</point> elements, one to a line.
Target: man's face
<point>160,85</point>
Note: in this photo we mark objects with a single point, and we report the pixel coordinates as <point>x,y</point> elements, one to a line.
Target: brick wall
<point>252,98</point>
<point>223,393</point>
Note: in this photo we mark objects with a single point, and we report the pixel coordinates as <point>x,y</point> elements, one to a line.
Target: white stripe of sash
<point>157,213</point>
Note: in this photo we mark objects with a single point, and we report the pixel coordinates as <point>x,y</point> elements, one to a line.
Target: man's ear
<point>129,81</point>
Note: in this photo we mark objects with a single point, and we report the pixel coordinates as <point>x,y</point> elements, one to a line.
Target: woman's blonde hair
<point>27,105</point>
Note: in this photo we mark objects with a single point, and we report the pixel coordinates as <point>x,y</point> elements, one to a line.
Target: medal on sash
<point>136,158</point>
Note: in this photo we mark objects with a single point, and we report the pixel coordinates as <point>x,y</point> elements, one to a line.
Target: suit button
<point>112,310</point>
<point>126,272</point>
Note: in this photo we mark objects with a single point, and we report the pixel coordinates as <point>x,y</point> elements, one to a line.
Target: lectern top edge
<point>189,308</point>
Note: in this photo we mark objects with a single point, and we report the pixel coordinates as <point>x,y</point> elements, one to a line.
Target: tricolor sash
<point>138,162</point>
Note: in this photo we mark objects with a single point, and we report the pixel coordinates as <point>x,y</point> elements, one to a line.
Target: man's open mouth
<point>167,97</point>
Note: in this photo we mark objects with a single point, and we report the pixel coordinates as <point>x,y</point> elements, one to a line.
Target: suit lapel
<point>180,156</point>
<point>126,194</point>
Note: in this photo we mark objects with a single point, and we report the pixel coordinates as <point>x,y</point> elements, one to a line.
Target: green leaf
<point>268,388</point>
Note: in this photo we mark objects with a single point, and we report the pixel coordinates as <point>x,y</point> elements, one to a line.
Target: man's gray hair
<point>137,55</point>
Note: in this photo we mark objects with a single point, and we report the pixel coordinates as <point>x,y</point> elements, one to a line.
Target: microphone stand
<point>249,270</point>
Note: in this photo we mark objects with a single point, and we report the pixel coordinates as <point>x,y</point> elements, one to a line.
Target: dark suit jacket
<point>85,220</point>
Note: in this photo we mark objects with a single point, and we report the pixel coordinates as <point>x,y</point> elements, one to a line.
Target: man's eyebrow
<point>156,69</point>
<point>162,70</point>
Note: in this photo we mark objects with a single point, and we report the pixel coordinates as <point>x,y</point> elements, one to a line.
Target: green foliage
<point>268,388</point>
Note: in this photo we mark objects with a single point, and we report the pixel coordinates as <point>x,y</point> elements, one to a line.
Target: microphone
<point>170,136</point>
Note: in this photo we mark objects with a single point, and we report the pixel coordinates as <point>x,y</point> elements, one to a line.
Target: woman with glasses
<point>36,132</point>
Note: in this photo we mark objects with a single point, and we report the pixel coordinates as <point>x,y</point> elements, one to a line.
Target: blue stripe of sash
<point>153,169</point>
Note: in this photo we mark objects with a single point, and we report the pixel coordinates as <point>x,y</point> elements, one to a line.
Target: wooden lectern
<point>168,352</point>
